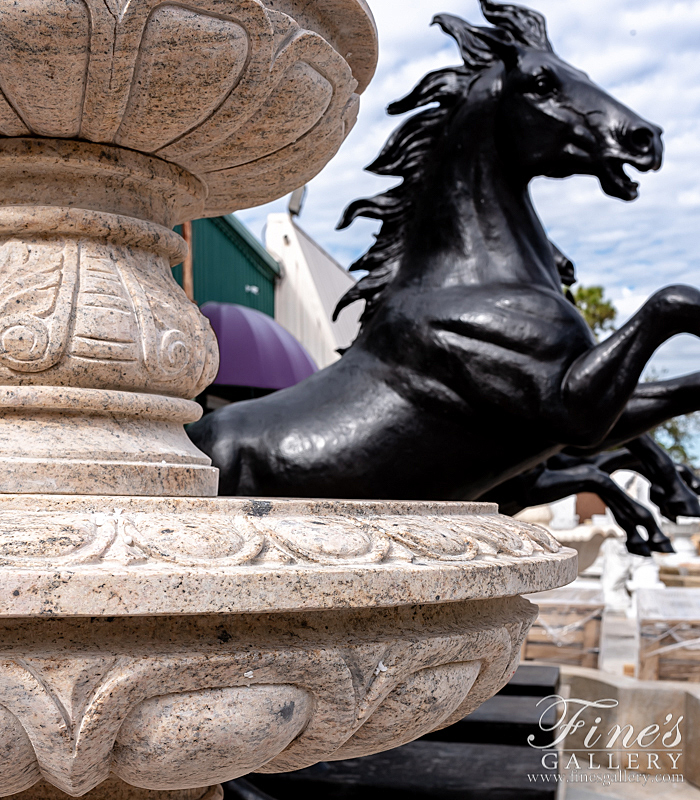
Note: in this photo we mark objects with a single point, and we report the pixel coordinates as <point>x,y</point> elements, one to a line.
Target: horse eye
<point>544,84</point>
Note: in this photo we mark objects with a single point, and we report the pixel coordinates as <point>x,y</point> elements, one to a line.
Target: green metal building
<point>231,266</point>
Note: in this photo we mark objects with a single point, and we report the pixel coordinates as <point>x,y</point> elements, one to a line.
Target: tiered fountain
<point>154,640</point>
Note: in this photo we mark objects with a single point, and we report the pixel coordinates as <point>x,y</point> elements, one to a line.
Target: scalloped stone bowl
<point>253,98</point>
<point>173,644</point>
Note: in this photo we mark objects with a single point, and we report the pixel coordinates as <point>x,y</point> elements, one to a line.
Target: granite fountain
<point>156,640</point>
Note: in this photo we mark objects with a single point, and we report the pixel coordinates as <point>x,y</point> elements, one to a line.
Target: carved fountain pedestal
<point>154,640</point>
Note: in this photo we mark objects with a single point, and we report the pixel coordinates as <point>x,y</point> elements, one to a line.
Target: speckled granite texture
<point>175,644</point>
<point>123,556</point>
<point>253,98</point>
<point>181,702</point>
<point>119,120</point>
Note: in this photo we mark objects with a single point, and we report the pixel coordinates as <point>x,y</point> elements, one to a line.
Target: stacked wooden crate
<point>669,634</point>
<point>684,575</point>
<point>567,630</point>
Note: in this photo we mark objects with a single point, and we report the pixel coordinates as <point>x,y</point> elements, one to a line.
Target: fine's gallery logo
<point>584,737</point>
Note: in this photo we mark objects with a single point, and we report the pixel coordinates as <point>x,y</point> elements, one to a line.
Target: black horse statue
<point>471,367</point>
<point>674,487</point>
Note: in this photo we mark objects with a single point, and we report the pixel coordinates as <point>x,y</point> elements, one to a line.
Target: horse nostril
<point>640,140</point>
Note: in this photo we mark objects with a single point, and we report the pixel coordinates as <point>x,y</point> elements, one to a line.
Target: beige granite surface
<point>65,556</point>
<point>177,643</point>
<point>253,98</point>
<point>92,321</point>
<point>88,300</point>
<point>182,702</point>
<point>57,440</point>
<point>119,120</point>
<point>60,174</point>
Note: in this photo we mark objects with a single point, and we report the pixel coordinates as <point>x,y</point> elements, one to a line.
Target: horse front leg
<point>599,384</point>
<point>549,485</point>
<point>652,404</point>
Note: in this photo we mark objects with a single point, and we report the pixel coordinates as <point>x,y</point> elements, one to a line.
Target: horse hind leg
<point>651,405</point>
<point>671,484</point>
<point>669,491</point>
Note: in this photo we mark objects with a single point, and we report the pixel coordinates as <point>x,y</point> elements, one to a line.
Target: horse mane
<point>406,153</point>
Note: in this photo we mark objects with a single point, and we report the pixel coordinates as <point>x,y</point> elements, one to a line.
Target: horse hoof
<point>639,547</point>
<point>662,546</point>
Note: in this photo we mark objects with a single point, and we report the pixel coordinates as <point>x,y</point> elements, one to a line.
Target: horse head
<point>552,119</point>
<point>513,103</point>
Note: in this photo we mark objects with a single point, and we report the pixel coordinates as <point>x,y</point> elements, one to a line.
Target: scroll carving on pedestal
<point>54,540</point>
<point>37,290</point>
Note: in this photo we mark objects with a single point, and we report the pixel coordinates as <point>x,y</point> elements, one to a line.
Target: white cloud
<point>631,249</point>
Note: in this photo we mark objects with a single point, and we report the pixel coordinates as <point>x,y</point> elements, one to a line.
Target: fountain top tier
<point>120,119</point>
<point>253,98</point>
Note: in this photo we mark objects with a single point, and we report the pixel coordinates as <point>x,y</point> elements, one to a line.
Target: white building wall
<point>299,306</point>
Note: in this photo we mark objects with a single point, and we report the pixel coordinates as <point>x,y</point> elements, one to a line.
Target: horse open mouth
<point>615,181</point>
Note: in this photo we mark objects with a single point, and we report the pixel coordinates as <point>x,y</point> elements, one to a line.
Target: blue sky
<point>647,54</point>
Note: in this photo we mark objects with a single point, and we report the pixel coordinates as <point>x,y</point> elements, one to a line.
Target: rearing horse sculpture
<point>471,366</point>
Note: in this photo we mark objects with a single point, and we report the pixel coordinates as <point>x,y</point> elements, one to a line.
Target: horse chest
<point>526,322</point>
<point>507,348</point>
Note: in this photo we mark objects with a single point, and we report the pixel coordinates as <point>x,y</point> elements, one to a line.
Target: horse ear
<point>436,87</point>
<point>480,47</point>
<point>526,26</point>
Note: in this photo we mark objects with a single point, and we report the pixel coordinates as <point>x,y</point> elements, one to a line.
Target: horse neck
<point>474,221</point>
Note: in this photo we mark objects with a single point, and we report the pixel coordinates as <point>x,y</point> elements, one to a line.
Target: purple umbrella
<point>255,350</point>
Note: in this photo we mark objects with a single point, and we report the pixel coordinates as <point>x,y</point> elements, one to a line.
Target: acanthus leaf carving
<point>102,315</point>
<point>177,342</point>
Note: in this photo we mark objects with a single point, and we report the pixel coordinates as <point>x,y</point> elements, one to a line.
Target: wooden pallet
<point>567,630</point>
<point>683,576</point>
<point>668,618</point>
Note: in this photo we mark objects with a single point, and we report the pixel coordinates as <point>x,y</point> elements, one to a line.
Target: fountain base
<point>181,643</point>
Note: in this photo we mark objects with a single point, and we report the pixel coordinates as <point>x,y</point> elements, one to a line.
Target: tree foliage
<point>599,313</point>
<point>676,435</point>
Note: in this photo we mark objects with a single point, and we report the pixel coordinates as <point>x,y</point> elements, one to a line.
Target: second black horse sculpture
<point>471,367</point>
